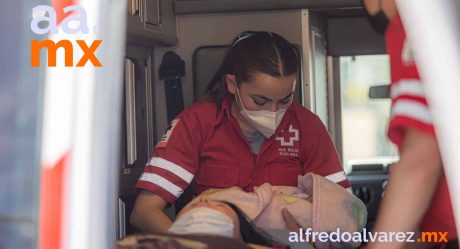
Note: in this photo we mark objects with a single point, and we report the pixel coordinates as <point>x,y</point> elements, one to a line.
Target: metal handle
<point>133,7</point>
<point>121,219</point>
<point>130,100</point>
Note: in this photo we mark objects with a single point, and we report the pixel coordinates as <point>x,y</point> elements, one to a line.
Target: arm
<point>167,174</point>
<point>148,215</point>
<point>412,183</point>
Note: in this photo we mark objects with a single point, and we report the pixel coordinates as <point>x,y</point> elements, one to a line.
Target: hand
<point>210,191</point>
<point>291,223</point>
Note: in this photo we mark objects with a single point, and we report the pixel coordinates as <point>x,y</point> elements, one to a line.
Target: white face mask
<point>263,121</point>
<point>203,220</point>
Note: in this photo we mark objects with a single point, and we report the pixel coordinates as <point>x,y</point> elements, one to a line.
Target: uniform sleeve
<point>175,159</point>
<point>409,108</point>
<point>324,160</point>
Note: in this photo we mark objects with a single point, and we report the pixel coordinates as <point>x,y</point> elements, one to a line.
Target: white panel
<point>91,193</point>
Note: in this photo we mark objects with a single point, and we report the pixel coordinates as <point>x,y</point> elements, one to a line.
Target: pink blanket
<point>332,206</point>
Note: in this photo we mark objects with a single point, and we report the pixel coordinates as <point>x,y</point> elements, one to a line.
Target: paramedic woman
<point>245,131</point>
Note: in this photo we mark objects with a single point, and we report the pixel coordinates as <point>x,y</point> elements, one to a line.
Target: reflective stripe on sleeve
<point>163,183</point>
<point>350,190</point>
<point>337,177</point>
<point>411,109</point>
<point>171,167</point>
<point>412,87</point>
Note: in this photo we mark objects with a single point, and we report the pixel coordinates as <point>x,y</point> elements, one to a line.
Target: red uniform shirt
<point>204,148</point>
<point>410,110</point>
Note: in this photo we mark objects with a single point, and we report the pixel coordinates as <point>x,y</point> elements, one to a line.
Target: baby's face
<point>218,206</point>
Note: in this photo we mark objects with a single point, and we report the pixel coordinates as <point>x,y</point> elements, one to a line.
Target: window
<point>365,120</point>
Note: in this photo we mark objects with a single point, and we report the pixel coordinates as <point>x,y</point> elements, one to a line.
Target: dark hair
<point>250,233</point>
<point>253,51</point>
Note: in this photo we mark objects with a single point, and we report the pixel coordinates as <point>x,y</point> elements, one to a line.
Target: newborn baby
<point>316,203</point>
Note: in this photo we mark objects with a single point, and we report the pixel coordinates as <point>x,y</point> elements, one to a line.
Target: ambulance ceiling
<point>333,8</point>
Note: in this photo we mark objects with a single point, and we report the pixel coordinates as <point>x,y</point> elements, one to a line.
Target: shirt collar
<point>225,109</point>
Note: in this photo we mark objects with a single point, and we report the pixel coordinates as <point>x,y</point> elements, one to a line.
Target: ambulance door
<point>358,66</point>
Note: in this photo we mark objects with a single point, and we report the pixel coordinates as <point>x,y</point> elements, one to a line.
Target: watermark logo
<point>436,237</point>
<point>308,235</point>
<point>45,21</point>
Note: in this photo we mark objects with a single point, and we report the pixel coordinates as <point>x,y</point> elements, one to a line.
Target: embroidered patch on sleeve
<point>165,138</point>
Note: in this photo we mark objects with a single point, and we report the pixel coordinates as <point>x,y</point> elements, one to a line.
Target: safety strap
<point>172,69</point>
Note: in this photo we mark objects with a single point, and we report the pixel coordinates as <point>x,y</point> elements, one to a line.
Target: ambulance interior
<point>343,61</point>
<point>173,48</point>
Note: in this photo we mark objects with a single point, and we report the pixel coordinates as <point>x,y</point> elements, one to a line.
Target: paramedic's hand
<point>291,223</point>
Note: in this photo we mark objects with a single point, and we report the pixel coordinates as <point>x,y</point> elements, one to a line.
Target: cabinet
<point>151,22</point>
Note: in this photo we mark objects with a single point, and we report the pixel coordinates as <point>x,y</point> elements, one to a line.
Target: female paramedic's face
<point>263,91</point>
<point>218,206</point>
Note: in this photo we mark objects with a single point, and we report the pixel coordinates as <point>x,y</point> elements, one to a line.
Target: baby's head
<point>220,218</point>
<point>207,217</point>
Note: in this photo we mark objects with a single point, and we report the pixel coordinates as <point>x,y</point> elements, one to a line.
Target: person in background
<point>246,130</point>
<point>417,195</point>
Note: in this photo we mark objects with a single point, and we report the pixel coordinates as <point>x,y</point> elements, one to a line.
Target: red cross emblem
<point>292,136</point>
